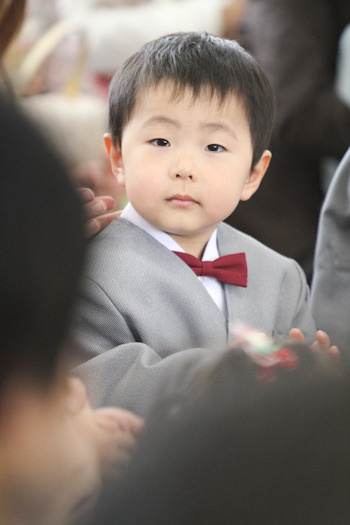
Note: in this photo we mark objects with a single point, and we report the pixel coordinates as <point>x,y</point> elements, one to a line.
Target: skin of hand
<point>322,341</point>
<point>113,431</point>
<point>97,211</point>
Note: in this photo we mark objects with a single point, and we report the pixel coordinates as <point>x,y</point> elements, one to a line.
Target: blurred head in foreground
<point>47,465</point>
<point>259,438</point>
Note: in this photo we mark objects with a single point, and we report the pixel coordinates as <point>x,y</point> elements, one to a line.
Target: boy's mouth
<point>182,201</point>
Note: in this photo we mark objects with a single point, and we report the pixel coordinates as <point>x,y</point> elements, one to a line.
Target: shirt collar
<point>129,213</point>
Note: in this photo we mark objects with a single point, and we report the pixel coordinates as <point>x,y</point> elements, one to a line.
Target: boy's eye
<point>215,147</point>
<point>163,143</point>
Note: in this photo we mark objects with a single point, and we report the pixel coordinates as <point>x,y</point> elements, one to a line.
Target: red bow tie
<point>231,269</point>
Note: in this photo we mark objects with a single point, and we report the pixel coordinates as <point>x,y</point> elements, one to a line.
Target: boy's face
<point>186,163</point>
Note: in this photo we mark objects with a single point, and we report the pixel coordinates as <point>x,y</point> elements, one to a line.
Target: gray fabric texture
<point>143,311</point>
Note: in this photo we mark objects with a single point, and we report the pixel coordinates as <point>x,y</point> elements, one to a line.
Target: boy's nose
<point>184,168</point>
<point>184,174</point>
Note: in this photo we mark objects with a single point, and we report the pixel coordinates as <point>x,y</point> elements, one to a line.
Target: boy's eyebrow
<point>220,126</point>
<point>212,126</point>
<point>160,119</point>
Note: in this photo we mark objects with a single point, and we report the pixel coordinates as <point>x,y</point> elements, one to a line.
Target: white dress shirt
<point>214,287</point>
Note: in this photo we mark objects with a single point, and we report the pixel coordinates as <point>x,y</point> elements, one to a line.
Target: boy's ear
<point>116,159</point>
<point>256,176</point>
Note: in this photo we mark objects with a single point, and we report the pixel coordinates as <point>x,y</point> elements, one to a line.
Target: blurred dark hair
<point>245,451</point>
<point>42,249</point>
<point>206,64</point>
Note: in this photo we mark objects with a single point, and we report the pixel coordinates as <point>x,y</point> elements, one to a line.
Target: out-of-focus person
<point>54,449</point>
<point>258,437</point>
<point>331,279</point>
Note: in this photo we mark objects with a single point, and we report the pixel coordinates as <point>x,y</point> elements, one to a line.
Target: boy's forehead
<point>169,93</point>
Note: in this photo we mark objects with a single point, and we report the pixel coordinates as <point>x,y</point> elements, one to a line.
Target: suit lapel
<point>237,297</point>
<point>175,286</point>
<point>209,319</point>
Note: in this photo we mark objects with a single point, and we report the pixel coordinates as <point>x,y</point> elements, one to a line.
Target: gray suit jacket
<point>143,311</point>
<point>330,291</point>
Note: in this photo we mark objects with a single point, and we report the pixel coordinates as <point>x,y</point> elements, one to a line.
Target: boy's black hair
<point>203,63</point>
<point>41,255</point>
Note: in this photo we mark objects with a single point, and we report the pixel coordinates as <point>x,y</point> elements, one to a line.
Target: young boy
<point>190,123</point>
<point>54,450</point>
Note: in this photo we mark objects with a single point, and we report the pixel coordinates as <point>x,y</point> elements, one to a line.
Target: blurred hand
<point>112,431</point>
<point>96,211</point>
<point>322,341</point>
